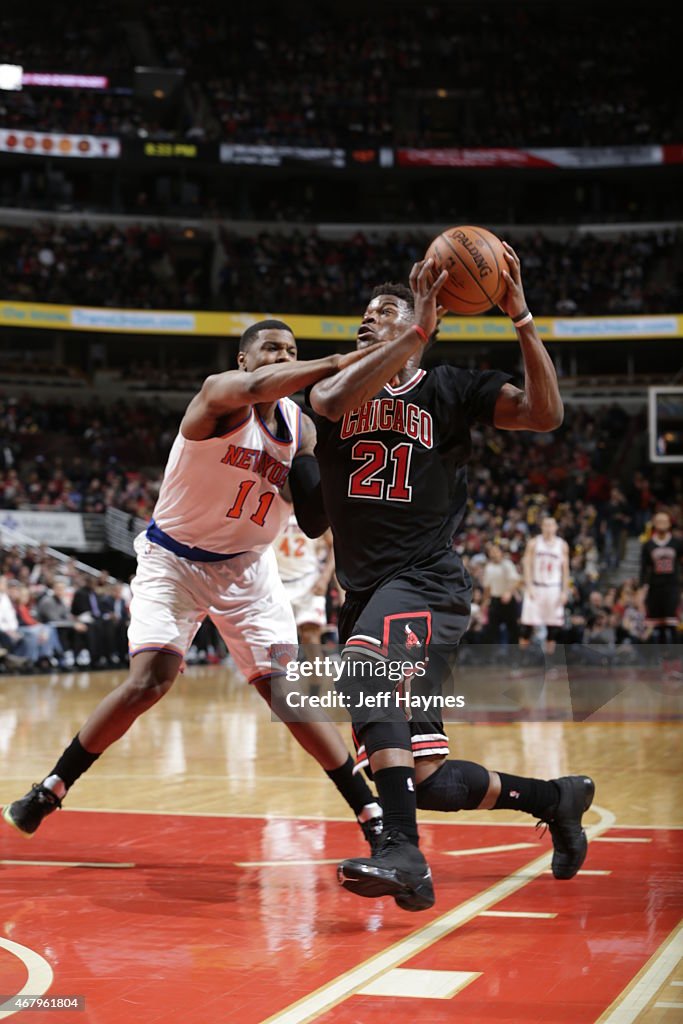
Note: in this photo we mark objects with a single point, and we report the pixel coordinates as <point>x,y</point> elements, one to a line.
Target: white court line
<point>66,864</point>
<point>584,871</point>
<point>39,972</point>
<point>488,849</point>
<point>428,984</point>
<point>621,839</point>
<point>627,1007</point>
<point>515,913</point>
<point>670,1006</point>
<point>281,863</point>
<point>313,1005</point>
<point>677,983</point>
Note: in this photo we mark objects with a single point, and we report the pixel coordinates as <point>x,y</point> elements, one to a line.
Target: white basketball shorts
<point>308,607</point>
<point>543,607</point>
<point>243,596</point>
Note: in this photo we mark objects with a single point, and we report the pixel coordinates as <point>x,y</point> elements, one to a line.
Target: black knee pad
<point>455,786</point>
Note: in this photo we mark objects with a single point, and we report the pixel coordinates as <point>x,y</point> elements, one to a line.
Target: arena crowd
<point>302,272</point>
<point>459,75</point>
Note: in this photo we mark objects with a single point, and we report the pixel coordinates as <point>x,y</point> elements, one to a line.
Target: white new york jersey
<point>297,556</point>
<point>223,494</point>
<point>548,561</point>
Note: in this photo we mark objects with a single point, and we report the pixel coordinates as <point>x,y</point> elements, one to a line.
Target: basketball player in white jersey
<point>546,581</point>
<point>306,566</point>
<point>208,551</point>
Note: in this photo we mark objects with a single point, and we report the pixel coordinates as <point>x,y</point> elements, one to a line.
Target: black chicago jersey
<point>393,472</point>
<point>660,562</point>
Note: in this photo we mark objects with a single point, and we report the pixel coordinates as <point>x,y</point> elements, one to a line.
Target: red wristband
<point>424,337</point>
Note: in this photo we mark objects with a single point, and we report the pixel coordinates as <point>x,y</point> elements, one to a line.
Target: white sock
<point>370,811</point>
<point>54,783</point>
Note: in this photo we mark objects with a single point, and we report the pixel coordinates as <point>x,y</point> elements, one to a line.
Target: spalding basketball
<point>474,259</point>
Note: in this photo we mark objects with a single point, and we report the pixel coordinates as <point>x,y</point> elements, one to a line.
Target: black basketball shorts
<point>415,619</point>
<point>662,604</point>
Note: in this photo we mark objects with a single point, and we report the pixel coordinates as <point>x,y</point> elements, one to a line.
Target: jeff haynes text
<point>384,699</point>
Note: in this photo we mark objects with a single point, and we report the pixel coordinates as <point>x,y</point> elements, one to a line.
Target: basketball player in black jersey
<point>660,564</point>
<point>393,441</point>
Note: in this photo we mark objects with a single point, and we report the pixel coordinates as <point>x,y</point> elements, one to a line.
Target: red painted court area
<point>196,919</point>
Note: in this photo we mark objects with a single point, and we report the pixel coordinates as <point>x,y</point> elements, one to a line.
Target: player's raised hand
<point>425,287</point>
<point>513,302</point>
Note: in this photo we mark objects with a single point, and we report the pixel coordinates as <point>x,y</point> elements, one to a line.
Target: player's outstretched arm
<point>233,392</point>
<point>361,381</point>
<point>539,406</point>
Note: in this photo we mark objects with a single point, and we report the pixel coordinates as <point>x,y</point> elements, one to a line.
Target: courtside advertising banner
<point>98,147</point>
<point>325,328</point>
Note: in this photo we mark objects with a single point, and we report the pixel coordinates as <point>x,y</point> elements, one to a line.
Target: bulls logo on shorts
<point>411,638</point>
<point>407,634</point>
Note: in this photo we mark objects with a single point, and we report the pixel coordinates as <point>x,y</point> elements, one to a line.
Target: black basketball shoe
<point>569,839</point>
<point>396,869</point>
<point>372,830</point>
<point>25,815</point>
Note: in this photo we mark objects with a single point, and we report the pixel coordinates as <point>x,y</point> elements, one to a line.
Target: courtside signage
<point>98,147</point>
<point>325,328</point>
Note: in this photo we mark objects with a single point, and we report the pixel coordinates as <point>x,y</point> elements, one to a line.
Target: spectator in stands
<point>502,583</point>
<point>52,608</point>
<point>632,625</point>
<point>615,524</point>
<point>41,642</point>
<point>11,637</point>
<point>86,607</point>
<point>115,612</point>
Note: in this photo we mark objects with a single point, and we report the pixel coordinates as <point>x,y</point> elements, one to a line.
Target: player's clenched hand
<point>513,302</point>
<point>425,286</point>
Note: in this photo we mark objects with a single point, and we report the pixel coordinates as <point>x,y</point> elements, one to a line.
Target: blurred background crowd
<point>302,272</point>
<point>334,76</point>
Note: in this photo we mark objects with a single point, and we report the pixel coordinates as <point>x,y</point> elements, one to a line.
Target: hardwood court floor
<point>191,877</point>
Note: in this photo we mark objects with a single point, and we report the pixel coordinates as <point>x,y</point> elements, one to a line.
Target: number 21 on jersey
<point>370,480</point>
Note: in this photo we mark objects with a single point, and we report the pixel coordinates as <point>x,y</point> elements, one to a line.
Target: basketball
<point>474,259</point>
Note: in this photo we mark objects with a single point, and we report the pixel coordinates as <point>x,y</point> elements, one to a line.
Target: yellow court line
<point>313,1005</point>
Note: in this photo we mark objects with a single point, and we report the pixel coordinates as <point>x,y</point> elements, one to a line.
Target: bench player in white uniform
<point>306,566</point>
<point>546,581</point>
<point>208,551</point>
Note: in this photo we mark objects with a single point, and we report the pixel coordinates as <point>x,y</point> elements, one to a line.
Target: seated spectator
<point>40,641</point>
<point>52,608</point>
<point>11,637</point>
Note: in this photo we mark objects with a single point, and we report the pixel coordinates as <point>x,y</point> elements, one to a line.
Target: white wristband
<point>524,321</point>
